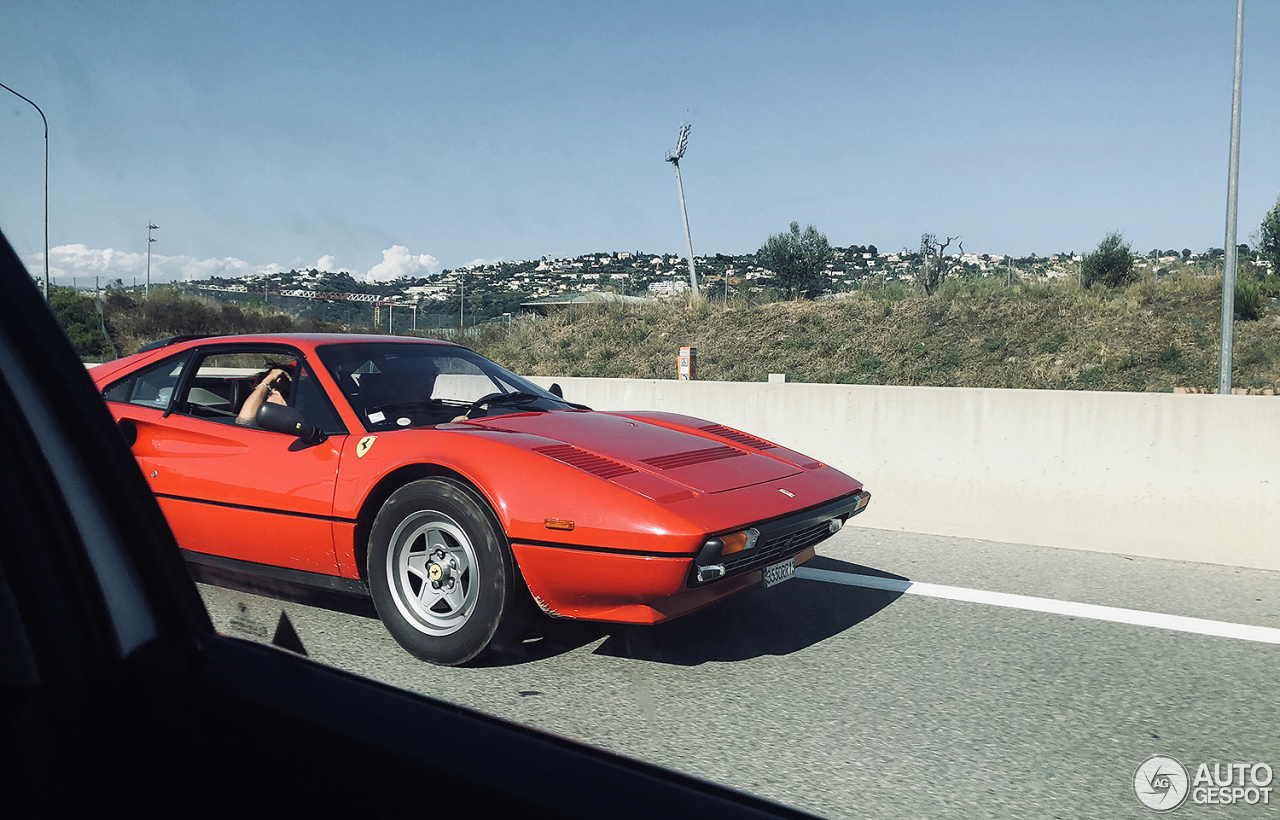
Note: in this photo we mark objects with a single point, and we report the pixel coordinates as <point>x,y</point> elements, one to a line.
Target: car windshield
<point>391,385</point>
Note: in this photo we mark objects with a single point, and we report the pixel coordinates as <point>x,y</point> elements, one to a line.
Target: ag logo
<point>1161,783</point>
<point>364,444</point>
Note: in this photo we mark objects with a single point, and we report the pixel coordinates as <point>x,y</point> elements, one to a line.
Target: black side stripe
<point>250,508</point>
<point>555,544</point>
<point>611,550</point>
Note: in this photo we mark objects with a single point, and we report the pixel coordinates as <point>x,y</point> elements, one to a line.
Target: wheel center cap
<point>435,572</point>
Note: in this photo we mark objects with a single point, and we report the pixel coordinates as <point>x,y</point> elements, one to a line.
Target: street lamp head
<point>152,227</point>
<point>681,143</point>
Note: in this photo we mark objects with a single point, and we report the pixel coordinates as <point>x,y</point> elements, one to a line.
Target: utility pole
<point>46,187</point>
<point>150,228</point>
<point>674,159</point>
<point>1233,198</point>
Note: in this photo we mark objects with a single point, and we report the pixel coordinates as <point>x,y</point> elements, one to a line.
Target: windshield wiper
<point>517,397</point>
<point>405,405</point>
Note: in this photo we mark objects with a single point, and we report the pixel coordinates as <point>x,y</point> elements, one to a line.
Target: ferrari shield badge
<point>364,444</point>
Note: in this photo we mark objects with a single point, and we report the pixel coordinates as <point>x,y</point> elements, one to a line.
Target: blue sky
<point>401,138</point>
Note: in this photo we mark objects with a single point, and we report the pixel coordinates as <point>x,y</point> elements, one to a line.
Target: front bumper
<point>607,585</point>
<point>778,540</point>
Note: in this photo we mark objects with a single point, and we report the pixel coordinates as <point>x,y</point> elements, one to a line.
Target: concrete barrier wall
<point>1187,477</point>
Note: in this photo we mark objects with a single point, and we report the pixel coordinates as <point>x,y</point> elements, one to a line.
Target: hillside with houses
<point>498,291</point>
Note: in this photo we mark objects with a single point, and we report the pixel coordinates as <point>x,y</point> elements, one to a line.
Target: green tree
<point>799,260</point>
<point>1110,264</point>
<point>1269,237</point>
<point>78,315</point>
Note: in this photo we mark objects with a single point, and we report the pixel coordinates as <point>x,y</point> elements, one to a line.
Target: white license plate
<point>777,573</point>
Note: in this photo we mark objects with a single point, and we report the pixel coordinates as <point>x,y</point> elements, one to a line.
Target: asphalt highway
<point>849,701</point>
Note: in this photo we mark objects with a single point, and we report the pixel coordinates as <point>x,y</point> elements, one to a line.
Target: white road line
<point>1136,617</point>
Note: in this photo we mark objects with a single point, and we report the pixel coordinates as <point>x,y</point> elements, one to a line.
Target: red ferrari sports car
<point>426,477</point>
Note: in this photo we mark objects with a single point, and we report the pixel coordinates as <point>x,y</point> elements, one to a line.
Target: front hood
<point>703,464</point>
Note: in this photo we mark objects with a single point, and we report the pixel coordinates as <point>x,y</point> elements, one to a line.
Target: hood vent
<point>585,461</point>
<point>692,457</point>
<point>737,436</point>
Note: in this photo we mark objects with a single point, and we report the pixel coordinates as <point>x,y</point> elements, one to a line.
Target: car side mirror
<point>128,431</point>
<point>280,418</point>
<point>555,390</point>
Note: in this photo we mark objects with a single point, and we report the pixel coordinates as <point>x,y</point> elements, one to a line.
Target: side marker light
<point>558,524</point>
<point>739,541</point>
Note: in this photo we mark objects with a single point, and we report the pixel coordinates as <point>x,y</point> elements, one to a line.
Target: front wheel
<point>440,573</point>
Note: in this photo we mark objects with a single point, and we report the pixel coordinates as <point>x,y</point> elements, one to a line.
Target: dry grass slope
<point>1148,337</point>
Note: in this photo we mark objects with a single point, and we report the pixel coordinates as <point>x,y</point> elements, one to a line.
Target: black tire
<point>441,574</point>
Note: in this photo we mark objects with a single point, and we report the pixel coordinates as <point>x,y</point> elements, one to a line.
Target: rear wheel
<point>440,572</point>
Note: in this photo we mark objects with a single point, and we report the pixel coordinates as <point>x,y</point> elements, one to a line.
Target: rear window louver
<point>737,436</point>
<point>692,457</point>
<point>585,461</point>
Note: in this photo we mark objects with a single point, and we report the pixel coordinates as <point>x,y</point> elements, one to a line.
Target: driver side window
<point>224,382</point>
<point>223,385</point>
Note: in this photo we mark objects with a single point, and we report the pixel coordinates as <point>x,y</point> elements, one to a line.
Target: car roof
<point>309,340</point>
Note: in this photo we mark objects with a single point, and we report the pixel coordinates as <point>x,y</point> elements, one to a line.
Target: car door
<point>228,488</point>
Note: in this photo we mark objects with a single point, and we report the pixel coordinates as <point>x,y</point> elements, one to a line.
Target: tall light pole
<point>150,228</point>
<point>46,187</point>
<point>1233,198</point>
<point>674,159</point>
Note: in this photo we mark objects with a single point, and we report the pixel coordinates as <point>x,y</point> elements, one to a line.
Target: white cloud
<point>82,262</point>
<point>480,263</point>
<point>398,263</point>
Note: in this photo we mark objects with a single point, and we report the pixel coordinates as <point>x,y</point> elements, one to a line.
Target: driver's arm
<point>260,394</point>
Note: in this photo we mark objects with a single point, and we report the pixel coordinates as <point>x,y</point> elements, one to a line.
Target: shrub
<point>1092,376</point>
<point>1270,287</point>
<point>1171,359</point>
<point>1110,264</point>
<point>1052,344</point>
<point>1248,301</point>
<point>869,363</point>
